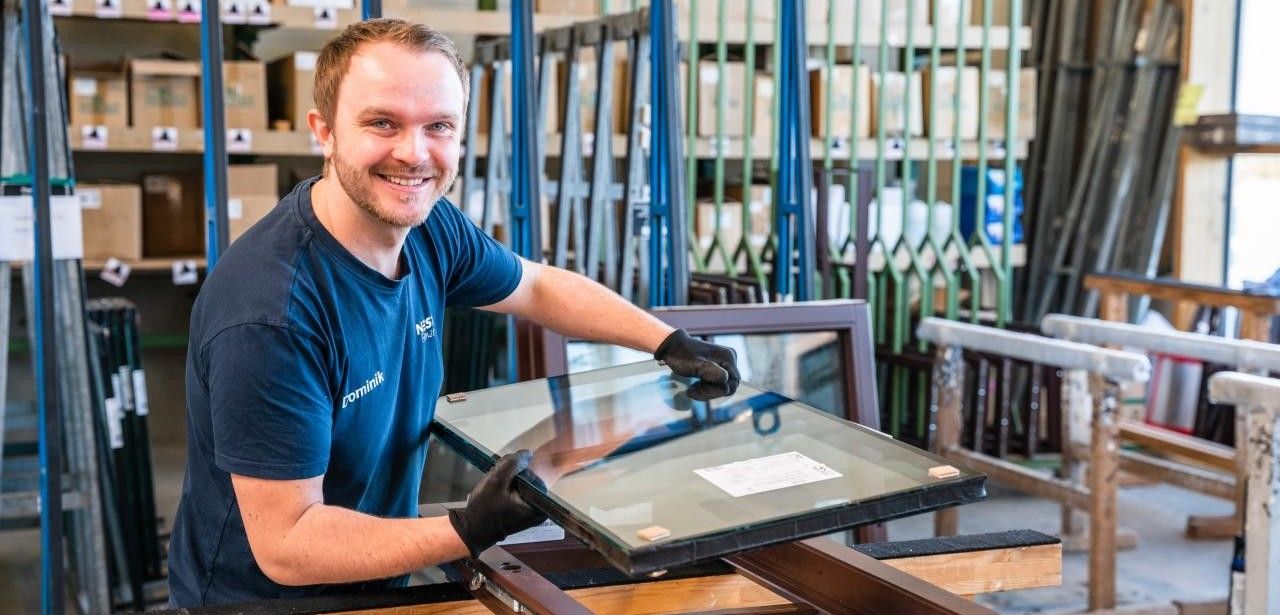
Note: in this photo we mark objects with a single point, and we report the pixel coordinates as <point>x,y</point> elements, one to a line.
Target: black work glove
<point>494,510</point>
<point>715,366</point>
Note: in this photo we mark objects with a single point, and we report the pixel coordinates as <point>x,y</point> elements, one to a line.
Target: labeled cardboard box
<point>293,80</point>
<point>99,96</point>
<point>894,115</point>
<point>709,79</point>
<point>943,126</point>
<point>997,97</point>
<point>164,93</point>
<point>111,218</point>
<point>251,190</point>
<point>841,115</point>
<point>244,83</point>
<point>172,214</point>
<point>567,7</point>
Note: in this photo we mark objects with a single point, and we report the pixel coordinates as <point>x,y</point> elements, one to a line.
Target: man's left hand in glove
<point>715,366</point>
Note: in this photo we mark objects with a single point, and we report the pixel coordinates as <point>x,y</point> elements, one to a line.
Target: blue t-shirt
<point>304,361</point>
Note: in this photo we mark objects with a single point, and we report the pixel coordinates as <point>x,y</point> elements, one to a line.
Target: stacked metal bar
<point>129,486</point>
<point>1105,209</point>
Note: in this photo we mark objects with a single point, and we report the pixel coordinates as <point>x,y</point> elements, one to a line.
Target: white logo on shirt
<point>369,385</point>
<point>424,329</point>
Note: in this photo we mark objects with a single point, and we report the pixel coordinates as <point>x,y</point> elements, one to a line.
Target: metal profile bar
<point>1114,364</point>
<point>792,221</point>
<point>46,336</point>
<point>370,9</point>
<point>668,263</point>
<point>526,118</point>
<point>215,133</point>
<point>1243,354</point>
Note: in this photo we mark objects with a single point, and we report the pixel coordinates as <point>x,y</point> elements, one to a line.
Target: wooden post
<point>1114,306</point>
<point>1075,414</point>
<point>1255,326</point>
<point>1262,529</point>
<point>948,391</point>
<point>1103,472</point>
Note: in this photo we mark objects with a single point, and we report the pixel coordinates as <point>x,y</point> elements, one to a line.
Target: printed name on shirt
<point>424,329</point>
<point>369,385</point>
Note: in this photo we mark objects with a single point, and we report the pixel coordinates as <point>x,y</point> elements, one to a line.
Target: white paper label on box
<point>305,60</point>
<point>543,532</point>
<point>82,86</point>
<point>109,9</point>
<point>164,138</point>
<point>326,18</point>
<point>260,12</point>
<point>93,136</point>
<point>189,11</point>
<point>763,474</point>
<point>90,198</point>
<point>160,10</point>
<point>115,272</point>
<point>185,273</point>
<point>234,12</point>
<point>235,209</point>
<point>239,139</point>
<point>61,8</point>
<point>140,392</point>
<point>17,228</point>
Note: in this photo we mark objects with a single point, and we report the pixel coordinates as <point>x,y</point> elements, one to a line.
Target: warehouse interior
<point>1023,240</point>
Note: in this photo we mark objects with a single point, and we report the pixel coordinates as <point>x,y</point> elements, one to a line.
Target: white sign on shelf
<point>260,12</point>
<point>235,209</point>
<point>234,12</point>
<point>164,138</point>
<point>334,4</point>
<point>189,11</point>
<point>17,228</point>
<point>239,140</point>
<point>326,18</point>
<point>160,10</point>
<point>185,272</point>
<point>762,474</point>
<point>108,9</point>
<point>60,8</point>
<point>115,272</point>
<point>93,136</point>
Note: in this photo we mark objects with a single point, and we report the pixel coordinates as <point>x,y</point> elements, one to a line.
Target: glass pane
<point>803,366</point>
<point>624,449</point>
<point>1252,254</point>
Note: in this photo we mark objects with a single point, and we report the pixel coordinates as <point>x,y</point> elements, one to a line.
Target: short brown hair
<point>331,65</point>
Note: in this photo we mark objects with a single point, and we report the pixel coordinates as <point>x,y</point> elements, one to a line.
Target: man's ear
<point>322,131</point>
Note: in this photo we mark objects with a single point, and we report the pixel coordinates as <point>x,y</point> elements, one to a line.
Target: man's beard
<point>359,188</point>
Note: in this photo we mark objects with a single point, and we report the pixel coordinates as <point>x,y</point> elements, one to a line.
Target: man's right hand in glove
<point>494,509</point>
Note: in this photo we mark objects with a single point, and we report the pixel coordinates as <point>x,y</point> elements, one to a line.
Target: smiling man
<point>315,350</point>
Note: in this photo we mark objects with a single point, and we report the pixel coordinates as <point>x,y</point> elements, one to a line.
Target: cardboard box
<point>709,77</point>
<point>759,203</point>
<point>762,108</point>
<point>997,88</point>
<point>251,191</point>
<point>99,96</point>
<point>293,81</point>
<point>943,126</point>
<point>554,109</point>
<point>841,116</point>
<point>111,216</point>
<point>870,16</point>
<point>164,93</point>
<point>567,7</point>
<point>950,12</point>
<point>588,85</point>
<point>894,114</point>
<point>730,225</point>
<point>172,214</point>
<point>244,84</point>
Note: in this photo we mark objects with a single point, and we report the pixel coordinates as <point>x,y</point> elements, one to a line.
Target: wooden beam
<point>1023,479</point>
<point>1188,477</point>
<point>1103,467</point>
<point>1208,454</point>
<point>980,572</point>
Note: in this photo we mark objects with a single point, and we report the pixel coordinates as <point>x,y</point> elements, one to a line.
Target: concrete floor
<point>1164,567</point>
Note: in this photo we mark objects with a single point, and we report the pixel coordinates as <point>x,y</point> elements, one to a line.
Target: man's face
<point>396,132</point>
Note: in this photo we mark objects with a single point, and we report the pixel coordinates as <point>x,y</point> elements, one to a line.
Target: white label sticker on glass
<point>164,138</point>
<point>185,272</point>
<point>235,209</point>
<point>109,9</point>
<point>17,228</point>
<point>114,432</point>
<point>93,136</point>
<point>160,10</point>
<point>763,474</point>
<point>90,198</point>
<point>115,272</point>
<point>140,392</point>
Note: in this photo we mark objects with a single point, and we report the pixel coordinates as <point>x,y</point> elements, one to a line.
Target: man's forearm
<point>330,544</point>
<point>580,308</point>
